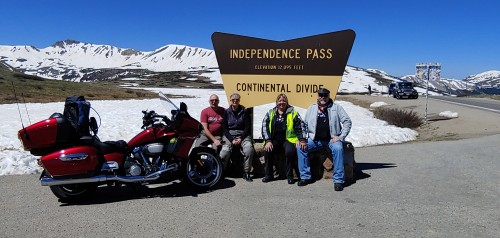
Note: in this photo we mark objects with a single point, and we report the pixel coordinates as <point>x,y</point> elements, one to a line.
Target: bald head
<point>213,100</point>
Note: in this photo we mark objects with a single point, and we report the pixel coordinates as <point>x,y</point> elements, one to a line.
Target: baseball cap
<point>323,91</point>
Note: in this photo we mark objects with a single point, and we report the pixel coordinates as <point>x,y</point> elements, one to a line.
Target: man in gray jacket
<point>327,125</point>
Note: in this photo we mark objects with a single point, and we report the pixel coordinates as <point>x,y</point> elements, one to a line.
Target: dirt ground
<point>470,123</point>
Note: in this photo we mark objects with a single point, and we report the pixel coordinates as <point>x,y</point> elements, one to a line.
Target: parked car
<point>390,88</point>
<point>404,90</point>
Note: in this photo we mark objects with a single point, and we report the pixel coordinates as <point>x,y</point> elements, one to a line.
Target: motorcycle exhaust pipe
<point>46,181</point>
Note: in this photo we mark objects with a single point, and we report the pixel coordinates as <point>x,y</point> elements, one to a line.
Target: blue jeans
<point>337,155</point>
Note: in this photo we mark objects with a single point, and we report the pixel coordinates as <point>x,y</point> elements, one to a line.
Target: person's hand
<point>217,143</point>
<point>335,139</point>
<point>302,145</point>
<point>237,141</point>
<point>269,146</point>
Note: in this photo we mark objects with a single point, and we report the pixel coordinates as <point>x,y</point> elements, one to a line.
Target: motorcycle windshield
<point>168,104</point>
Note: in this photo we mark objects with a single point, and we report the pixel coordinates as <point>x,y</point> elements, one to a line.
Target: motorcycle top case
<point>80,160</point>
<point>41,136</point>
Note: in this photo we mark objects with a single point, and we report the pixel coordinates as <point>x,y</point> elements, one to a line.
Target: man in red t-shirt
<point>211,118</point>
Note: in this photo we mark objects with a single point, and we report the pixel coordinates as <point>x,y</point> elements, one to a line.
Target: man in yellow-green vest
<point>282,133</point>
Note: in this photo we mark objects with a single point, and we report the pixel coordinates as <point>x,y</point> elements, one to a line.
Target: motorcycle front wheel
<point>203,169</point>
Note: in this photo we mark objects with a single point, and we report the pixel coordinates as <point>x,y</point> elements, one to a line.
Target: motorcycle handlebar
<point>151,117</point>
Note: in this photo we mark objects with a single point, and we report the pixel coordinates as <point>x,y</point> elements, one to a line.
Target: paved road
<point>480,103</point>
<point>435,189</point>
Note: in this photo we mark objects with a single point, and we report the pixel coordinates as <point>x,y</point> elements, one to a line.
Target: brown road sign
<point>260,69</point>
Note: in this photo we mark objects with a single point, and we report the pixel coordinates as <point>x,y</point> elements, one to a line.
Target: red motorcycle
<point>163,151</point>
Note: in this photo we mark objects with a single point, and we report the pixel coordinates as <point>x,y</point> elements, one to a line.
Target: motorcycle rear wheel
<point>72,192</point>
<point>203,169</point>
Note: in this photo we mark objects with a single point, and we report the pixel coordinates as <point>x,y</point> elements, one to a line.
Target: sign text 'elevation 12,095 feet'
<point>260,69</point>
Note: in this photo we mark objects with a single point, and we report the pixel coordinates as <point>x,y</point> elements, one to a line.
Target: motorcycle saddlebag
<point>80,161</point>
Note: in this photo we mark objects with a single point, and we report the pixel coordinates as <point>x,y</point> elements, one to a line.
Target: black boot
<point>304,182</point>
<point>267,179</point>
<point>247,177</point>
<point>338,186</point>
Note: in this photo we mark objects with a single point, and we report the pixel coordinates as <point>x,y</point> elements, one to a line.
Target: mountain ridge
<point>66,60</point>
<point>72,60</point>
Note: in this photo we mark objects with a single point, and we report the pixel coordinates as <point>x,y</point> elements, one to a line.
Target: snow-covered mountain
<point>486,79</point>
<point>76,61</point>
<point>72,60</point>
<point>442,85</point>
<point>487,82</point>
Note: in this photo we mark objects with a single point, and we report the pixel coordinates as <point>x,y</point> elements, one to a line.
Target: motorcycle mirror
<point>184,107</point>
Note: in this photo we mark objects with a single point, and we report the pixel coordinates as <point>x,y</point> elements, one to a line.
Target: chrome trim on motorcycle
<point>153,149</point>
<point>110,166</point>
<point>141,156</point>
<point>196,138</point>
<point>73,157</point>
<point>46,181</point>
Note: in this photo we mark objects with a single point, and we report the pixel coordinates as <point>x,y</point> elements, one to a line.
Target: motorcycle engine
<point>132,168</point>
<point>135,170</point>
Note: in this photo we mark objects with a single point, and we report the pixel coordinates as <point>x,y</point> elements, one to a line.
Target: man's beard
<point>323,102</point>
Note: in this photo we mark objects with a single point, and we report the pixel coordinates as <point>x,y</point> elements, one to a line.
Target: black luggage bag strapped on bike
<point>77,110</point>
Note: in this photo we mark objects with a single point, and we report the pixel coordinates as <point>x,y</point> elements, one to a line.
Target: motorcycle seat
<point>108,147</point>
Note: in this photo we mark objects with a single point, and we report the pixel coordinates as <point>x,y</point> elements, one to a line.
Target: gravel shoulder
<point>470,123</point>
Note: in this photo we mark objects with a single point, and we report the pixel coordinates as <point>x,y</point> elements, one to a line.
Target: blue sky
<point>390,35</point>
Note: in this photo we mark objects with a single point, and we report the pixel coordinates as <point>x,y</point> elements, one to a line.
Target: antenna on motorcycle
<point>19,110</point>
<point>165,98</point>
<point>26,108</point>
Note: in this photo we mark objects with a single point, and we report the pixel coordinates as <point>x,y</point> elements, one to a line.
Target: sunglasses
<point>235,99</point>
<point>214,100</point>
<point>323,95</point>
